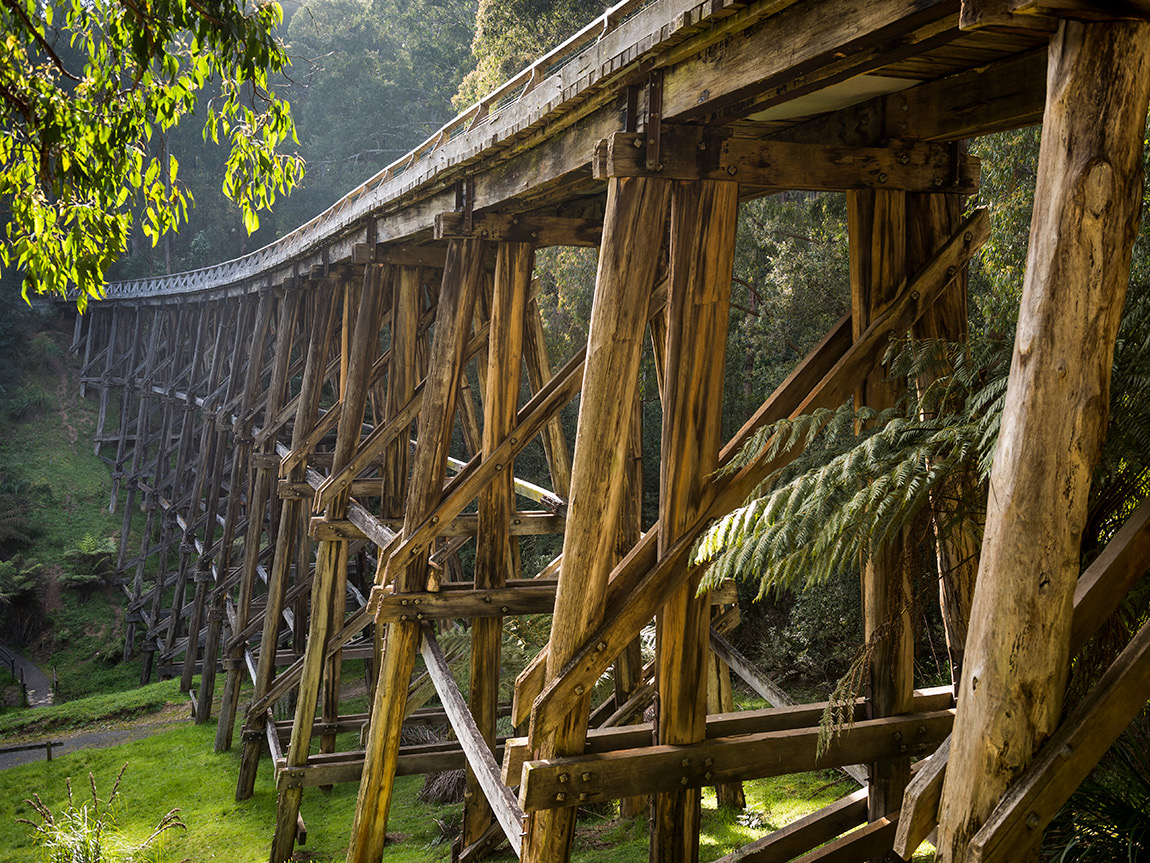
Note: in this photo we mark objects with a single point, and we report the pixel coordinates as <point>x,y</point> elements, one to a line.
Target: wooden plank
<point>1086,208</point>
<point>696,153</point>
<point>1068,756</point>
<point>566,782</point>
<point>771,719</point>
<point>759,682</point>
<point>870,842</point>
<point>475,747</point>
<point>458,604</point>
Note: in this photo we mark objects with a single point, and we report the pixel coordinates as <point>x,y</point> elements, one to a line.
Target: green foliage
<point>93,563</point>
<point>863,475</point>
<point>84,85</point>
<point>87,832</point>
<point>18,580</point>
<point>16,529</point>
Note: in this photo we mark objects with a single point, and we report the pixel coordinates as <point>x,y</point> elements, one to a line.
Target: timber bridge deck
<point>290,533</point>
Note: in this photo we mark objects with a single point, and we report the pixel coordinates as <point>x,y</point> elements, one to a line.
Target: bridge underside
<point>285,424</point>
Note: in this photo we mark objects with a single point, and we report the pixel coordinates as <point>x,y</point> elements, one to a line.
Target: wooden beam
<point>538,231</point>
<point>697,153</point>
<point>566,782</point>
<point>724,725</point>
<point>460,604</point>
<point>478,751</point>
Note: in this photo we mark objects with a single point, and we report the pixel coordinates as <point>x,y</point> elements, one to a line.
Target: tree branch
<point>40,40</point>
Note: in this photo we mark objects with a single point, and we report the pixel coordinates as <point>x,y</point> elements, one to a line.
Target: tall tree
<point>84,85</point>
<point>509,34</point>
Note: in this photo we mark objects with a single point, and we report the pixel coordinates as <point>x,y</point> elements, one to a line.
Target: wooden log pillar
<point>331,558</point>
<point>633,233</point>
<point>703,221</point>
<point>930,221</point>
<point>292,511</point>
<point>402,377</point>
<point>493,552</point>
<point>462,278</point>
<point>348,441</point>
<point>1086,208</point>
<point>628,671</point>
<point>877,224</point>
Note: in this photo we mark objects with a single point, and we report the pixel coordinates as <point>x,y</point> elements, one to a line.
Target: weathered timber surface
<point>1086,206</point>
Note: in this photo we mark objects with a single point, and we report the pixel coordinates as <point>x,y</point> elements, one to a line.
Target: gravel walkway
<point>38,683</point>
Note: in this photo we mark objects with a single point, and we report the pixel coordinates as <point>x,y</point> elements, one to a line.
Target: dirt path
<point>73,741</point>
<point>38,683</point>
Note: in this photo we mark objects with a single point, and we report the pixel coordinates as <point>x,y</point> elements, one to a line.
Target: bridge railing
<point>630,26</point>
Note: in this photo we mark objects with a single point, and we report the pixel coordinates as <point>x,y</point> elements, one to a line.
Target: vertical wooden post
<point>493,556</point>
<point>402,377</point>
<point>628,672</point>
<point>633,233</point>
<point>1086,208</point>
<point>352,340</point>
<point>931,220</point>
<point>331,559</point>
<point>255,348</point>
<point>106,376</point>
<point>877,225</point>
<point>539,373</point>
<point>462,277</point>
<point>703,220</point>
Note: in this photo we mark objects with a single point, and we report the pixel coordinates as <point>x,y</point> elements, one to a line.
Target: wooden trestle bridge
<point>292,531</point>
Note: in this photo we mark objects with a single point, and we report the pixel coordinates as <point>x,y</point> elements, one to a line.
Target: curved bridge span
<point>285,422</point>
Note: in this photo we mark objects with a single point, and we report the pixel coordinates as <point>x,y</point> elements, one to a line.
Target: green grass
<point>177,768</point>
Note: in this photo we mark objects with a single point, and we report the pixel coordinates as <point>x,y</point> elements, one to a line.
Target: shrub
<point>87,833</point>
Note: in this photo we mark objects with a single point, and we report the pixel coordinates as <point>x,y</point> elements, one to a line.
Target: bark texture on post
<point>632,241</point>
<point>1085,216</point>
<point>493,554</point>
